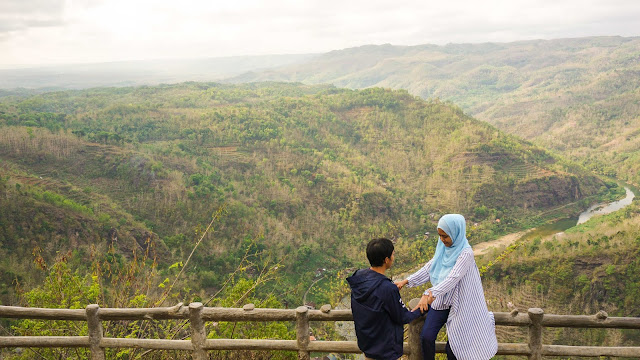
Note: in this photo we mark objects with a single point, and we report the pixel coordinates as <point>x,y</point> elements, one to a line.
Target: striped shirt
<point>470,326</point>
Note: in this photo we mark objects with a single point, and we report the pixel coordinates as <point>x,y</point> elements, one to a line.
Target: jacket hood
<point>363,282</point>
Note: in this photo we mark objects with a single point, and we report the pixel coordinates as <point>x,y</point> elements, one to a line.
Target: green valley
<point>307,174</point>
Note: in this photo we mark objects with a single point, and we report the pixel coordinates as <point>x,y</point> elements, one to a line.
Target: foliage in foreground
<point>136,283</point>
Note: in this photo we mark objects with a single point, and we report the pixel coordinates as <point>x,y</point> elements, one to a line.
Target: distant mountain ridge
<point>142,72</point>
<point>579,97</point>
<point>421,69</point>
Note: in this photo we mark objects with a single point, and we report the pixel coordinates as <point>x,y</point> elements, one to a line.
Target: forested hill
<point>579,97</point>
<point>310,172</point>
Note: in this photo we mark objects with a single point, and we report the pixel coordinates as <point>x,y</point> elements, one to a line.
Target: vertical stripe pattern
<point>470,326</point>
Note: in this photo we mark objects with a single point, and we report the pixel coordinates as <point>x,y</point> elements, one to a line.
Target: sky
<point>47,32</point>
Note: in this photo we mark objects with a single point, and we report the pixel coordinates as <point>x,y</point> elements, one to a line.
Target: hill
<point>310,173</point>
<point>578,97</point>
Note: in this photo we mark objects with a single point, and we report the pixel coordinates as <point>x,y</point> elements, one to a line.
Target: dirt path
<point>483,248</point>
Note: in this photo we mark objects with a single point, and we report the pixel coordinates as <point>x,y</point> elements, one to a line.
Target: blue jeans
<point>434,321</point>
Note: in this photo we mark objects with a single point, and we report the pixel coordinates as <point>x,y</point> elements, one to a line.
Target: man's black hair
<point>378,250</point>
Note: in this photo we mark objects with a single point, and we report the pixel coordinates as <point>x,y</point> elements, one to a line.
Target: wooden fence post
<point>95,332</point>
<point>535,333</point>
<point>198,331</point>
<point>415,327</point>
<point>302,332</point>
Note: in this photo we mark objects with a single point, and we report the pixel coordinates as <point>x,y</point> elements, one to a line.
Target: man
<point>378,311</point>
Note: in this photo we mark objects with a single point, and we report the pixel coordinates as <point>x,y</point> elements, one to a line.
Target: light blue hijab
<point>445,257</point>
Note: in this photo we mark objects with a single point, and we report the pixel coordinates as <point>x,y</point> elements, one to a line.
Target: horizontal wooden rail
<point>197,314</point>
<point>44,341</point>
<point>585,321</point>
<point>340,347</point>
<point>16,312</point>
<point>600,320</point>
<point>508,319</point>
<point>174,312</point>
<point>242,344</point>
<point>156,344</point>
<point>590,351</point>
<point>503,349</point>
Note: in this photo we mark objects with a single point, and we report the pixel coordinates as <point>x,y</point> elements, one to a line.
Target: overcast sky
<point>36,32</point>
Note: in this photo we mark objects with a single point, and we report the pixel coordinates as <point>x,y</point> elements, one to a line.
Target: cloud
<point>104,30</point>
<point>23,14</point>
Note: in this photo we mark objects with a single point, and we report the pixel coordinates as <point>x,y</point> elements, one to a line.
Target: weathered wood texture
<point>593,321</point>
<point>155,344</point>
<point>302,332</point>
<point>41,313</point>
<point>510,349</point>
<point>535,333</point>
<point>179,311</point>
<point>197,314</point>
<point>198,331</point>
<point>590,351</point>
<point>415,346</point>
<point>44,341</point>
<point>246,344</point>
<point>95,332</point>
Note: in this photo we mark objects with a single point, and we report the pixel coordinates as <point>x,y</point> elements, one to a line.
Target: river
<point>601,209</point>
<point>561,225</point>
<point>557,226</point>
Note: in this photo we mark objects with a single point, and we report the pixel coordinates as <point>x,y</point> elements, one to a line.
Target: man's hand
<point>401,283</point>
<point>424,302</point>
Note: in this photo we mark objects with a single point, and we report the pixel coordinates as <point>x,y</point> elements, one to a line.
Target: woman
<point>459,298</point>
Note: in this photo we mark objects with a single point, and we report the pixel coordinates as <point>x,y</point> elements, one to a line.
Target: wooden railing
<point>197,314</point>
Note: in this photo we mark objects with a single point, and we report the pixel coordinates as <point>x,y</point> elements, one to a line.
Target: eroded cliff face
<point>552,191</point>
<point>540,193</point>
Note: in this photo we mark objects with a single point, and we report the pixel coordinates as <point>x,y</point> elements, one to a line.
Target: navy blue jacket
<point>379,314</point>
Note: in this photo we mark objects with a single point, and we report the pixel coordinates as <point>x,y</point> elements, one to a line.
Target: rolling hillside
<point>308,172</point>
<point>578,97</point>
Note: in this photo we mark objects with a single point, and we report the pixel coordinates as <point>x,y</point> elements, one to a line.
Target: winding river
<point>557,226</point>
<point>601,209</point>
